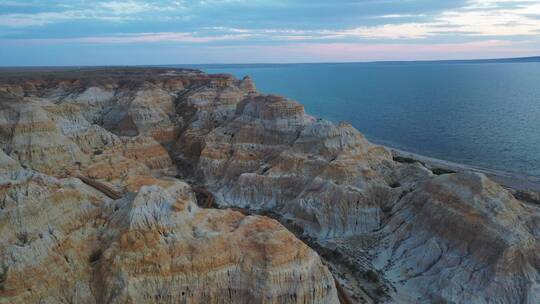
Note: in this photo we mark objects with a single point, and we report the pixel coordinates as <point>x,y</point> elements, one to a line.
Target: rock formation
<point>63,241</point>
<point>389,231</point>
<point>466,233</point>
<point>169,250</point>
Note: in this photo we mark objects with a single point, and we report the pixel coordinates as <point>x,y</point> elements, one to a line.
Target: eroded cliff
<point>393,231</point>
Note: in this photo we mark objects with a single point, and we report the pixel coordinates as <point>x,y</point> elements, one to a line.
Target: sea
<point>485,114</point>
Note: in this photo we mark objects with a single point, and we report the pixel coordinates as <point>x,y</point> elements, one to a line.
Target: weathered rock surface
<point>354,199</point>
<point>466,233</point>
<point>393,230</point>
<point>49,230</point>
<point>62,240</point>
<point>169,250</point>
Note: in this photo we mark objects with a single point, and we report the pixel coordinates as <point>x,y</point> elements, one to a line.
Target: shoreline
<point>513,181</point>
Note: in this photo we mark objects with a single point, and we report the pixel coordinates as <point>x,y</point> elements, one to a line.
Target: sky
<point>153,32</point>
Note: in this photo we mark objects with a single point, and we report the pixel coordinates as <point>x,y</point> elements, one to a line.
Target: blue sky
<point>82,32</point>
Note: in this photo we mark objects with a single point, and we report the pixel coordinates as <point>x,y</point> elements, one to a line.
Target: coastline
<point>513,181</point>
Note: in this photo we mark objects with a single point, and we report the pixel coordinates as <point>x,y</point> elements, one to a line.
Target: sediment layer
<point>392,230</point>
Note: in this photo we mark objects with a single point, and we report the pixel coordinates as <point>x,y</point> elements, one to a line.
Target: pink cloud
<point>317,52</point>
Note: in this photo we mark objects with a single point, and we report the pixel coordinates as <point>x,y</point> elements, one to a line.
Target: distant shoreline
<point>515,181</point>
<point>531,59</point>
<point>214,65</point>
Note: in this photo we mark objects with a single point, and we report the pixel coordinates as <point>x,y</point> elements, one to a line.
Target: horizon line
<point>477,60</point>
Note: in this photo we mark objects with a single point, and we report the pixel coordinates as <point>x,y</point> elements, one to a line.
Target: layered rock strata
<point>63,240</point>
<point>393,230</point>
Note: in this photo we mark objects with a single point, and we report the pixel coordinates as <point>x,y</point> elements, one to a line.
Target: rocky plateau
<point>162,185</point>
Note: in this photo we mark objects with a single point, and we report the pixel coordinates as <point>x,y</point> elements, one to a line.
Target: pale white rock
<point>461,238</point>
<point>174,251</point>
<point>400,233</point>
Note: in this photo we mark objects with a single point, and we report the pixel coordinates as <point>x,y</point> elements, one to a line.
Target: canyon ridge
<point>164,185</point>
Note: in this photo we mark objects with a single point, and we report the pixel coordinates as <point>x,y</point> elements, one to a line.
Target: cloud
<point>182,37</point>
<point>354,52</point>
<point>474,18</point>
<point>112,11</point>
<point>125,7</point>
<point>397,16</point>
<point>22,20</point>
<point>518,20</point>
<point>479,18</point>
<point>499,20</point>
<point>344,29</point>
<point>137,7</point>
<point>389,31</point>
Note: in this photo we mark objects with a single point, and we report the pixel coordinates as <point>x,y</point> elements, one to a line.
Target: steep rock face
<point>403,234</point>
<point>272,156</point>
<point>153,246</point>
<point>144,111</point>
<point>129,156</point>
<point>31,136</point>
<point>57,138</point>
<point>64,241</point>
<point>466,233</point>
<point>7,164</point>
<point>49,231</point>
<point>170,250</point>
<point>398,221</point>
<point>201,110</point>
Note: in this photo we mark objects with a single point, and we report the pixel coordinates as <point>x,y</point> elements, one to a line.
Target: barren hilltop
<point>161,185</point>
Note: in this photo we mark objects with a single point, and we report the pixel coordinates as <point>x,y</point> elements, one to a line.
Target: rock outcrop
<point>466,233</point>
<point>392,230</point>
<point>62,240</point>
<point>65,241</point>
<point>169,250</point>
<point>49,232</point>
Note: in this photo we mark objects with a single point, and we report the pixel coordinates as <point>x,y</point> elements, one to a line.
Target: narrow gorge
<point>162,185</point>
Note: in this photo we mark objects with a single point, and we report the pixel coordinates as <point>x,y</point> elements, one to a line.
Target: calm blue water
<point>480,114</point>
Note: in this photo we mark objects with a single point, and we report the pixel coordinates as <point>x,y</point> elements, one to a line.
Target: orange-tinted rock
<point>62,239</point>
<point>416,238</point>
<point>466,233</point>
<point>173,250</point>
